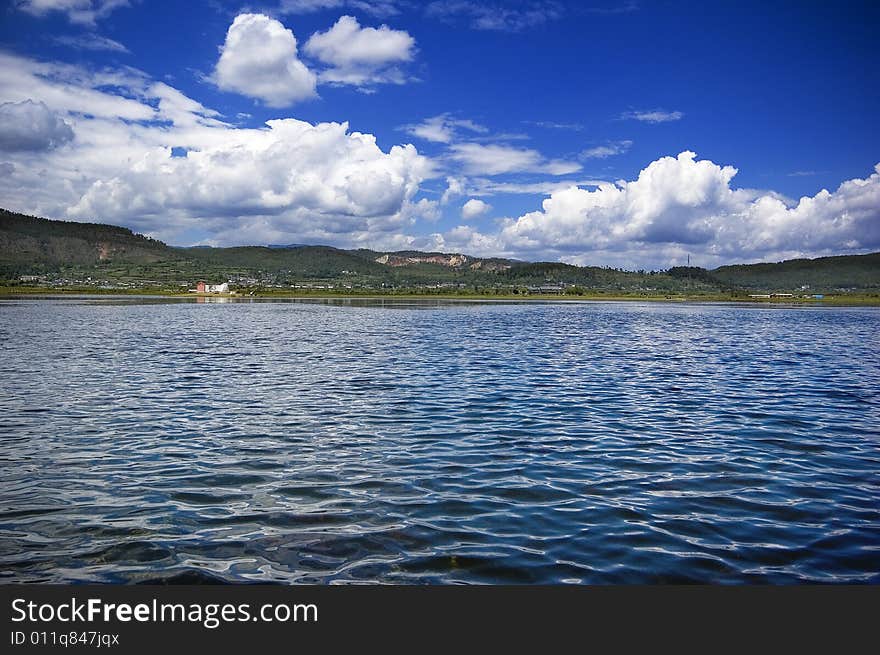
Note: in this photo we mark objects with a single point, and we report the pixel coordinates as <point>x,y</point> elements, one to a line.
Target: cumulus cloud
<point>320,169</point>
<point>681,204</point>
<point>259,60</point>
<point>496,159</point>
<point>176,171</point>
<point>293,181</point>
<point>361,56</point>
<point>652,116</point>
<point>443,128</point>
<point>608,150</point>
<point>31,126</point>
<point>454,188</point>
<point>496,16</point>
<point>83,12</point>
<point>473,208</point>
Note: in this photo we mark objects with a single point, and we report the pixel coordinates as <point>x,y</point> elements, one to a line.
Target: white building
<point>201,287</point>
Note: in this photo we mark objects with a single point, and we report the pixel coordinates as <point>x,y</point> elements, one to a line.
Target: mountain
<point>28,240</point>
<point>830,273</point>
<point>78,251</point>
<point>311,261</point>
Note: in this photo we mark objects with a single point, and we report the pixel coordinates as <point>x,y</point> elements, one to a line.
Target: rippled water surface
<point>408,442</point>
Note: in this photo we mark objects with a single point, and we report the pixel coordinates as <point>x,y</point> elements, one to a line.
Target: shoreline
<point>849,300</point>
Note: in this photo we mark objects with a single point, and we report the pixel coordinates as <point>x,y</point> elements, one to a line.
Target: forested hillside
<point>71,251</point>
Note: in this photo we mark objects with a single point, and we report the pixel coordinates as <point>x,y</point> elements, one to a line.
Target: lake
<point>396,441</point>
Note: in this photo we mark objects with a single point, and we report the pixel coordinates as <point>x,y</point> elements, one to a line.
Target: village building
<point>201,287</point>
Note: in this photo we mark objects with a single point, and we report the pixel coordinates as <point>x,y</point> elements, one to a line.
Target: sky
<point>625,133</point>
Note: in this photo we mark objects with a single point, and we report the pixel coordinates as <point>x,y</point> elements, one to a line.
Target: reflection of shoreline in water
<point>404,302</point>
<point>204,299</point>
<point>391,302</point>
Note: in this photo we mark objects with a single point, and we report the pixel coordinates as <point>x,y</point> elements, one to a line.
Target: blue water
<point>430,442</point>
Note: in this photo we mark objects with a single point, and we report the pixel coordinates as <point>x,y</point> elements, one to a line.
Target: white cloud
<point>91,42</point>
<point>443,128</point>
<point>348,44</point>
<point>552,125</point>
<point>179,109</point>
<point>608,150</point>
<point>67,88</point>
<point>613,8</point>
<point>485,186</point>
<point>361,56</point>
<point>489,187</point>
<point>31,126</point>
<point>83,12</point>
<point>805,173</point>
<point>681,204</point>
<point>558,167</point>
<point>495,159</point>
<point>288,181</point>
<point>469,125</point>
<point>310,169</point>
<point>652,116</point>
<point>423,210</point>
<point>454,188</point>
<point>375,7</point>
<point>463,238</point>
<point>501,137</point>
<point>496,16</point>
<point>292,181</point>
<point>473,208</point>
<point>432,129</point>
<point>259,60</point>
<point>308,6</point>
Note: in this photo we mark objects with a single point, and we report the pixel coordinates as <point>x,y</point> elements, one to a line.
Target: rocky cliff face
<point>484,265</point>
<point>397,260</point>
<point>452,261</point>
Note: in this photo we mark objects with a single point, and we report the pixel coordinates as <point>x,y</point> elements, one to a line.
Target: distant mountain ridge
<point>39,240</point>
<point>30,244</point>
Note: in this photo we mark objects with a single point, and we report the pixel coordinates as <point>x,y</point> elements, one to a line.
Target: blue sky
<point>608,132</point>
